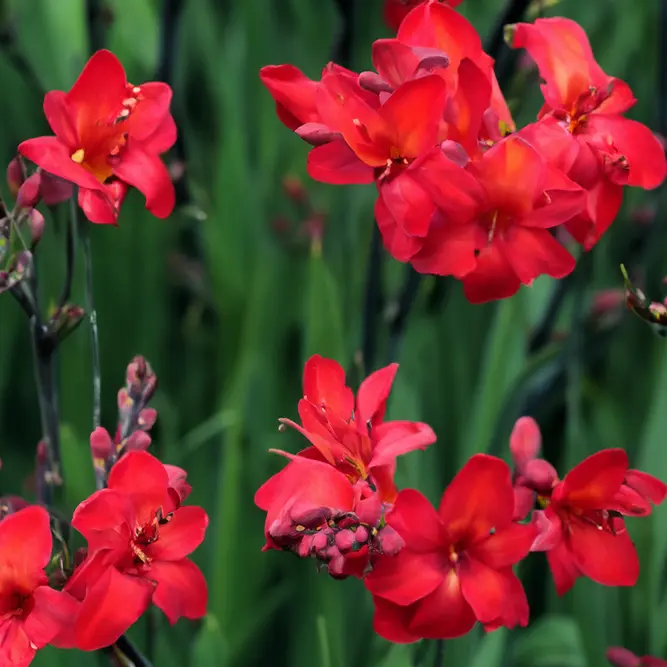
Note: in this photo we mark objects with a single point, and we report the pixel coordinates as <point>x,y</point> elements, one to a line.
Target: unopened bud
<point>525,441</point>
<point>388,541</point>
<point>54,190</point>
<point>374,83</point>
<point>345,540</point>
<point>36,224</point>
<point>320,541</point>
<point>42,452</point>
<point>621,657</point>
<point>139,441</point>
<point>125,403</point>
<point>101,444</point>
<point>28,195</point>
<point>311,517</point>
<point>66,319</point>
<point>361,535</point>
<point>147,418</point>
<point>540,475</point>
<point>337,565</point>
<point>293,189</point>
<point>179,489</point>
<point>15,176</point>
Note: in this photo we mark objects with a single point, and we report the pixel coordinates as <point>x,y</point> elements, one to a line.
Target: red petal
<point>417,522</point>
<point>513,175</point>
<point>397,243</point>
<point>396,438</point>
<point>394,61</point>
<point>515,608</point>
<point>98,206</point>
<point>552,141</point>
<point>59,117</point>
<point>535,252</point>
<point>594,482</point>
<point>150,176</point>
<point>163,138</point>
<point>98,93</point>
<point>550,530</point>
<point>464,508</point>
<point>505,547</point>
<point>444,614</point>
<point>449,249</point>
<point>106,520</point>
<point>181,536</point>
<point>324,386</point>
<point>372,396</point>
<point>620,100</point>
<point>563,54</point>
<point>143,479</point>
<point>525,441</point>
<point>646,485</point>
<point>564,199</point>
<point>637,143</point>
<point>181,589</point>
<point>483,588</point>
<point>53,156</point>
<point>563,567</point>
<point>336,163</point>
<point>52,611</point>
<point>493,277</point>
<point>15,648</point>
<point>410,205</point>
<point>292,90</point>
<point>151,112</point>
<point>610,560</point>
<point>391,621</point>
<point>112,605</point>
<point>407,577</point>
<point>331,450</point>
<point>25,539</point>
<point>413,113</point>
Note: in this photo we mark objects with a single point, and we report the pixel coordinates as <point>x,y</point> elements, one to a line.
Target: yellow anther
<point>78,156</point>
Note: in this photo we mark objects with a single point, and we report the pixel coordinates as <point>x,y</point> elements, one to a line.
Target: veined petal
<point>150,176</point>
<point>594,482</point>
<point>464,509</point>
<point>112,605</point>
<point>396,438</point>
<point>181,589</point>
<point>535,252</point>
<point>181,536</point>
<point>445,613</point>
<point>337,163</point>
<point>607,559</point>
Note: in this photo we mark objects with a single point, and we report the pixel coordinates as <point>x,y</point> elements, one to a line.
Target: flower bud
<point>66,319</point>
<point>345,540</point>
<point>54,190</point>
<point>15,176</point>
<point>361,535</point>
<point>28,194</point>
<point>337,565</point>
<point>139,441</point>
<point>621,657</point>
<point>147,418</point>
<point>539,475</point>
<point>388,541</point>
<point>101,444</point>
<point>36,224</point>
<point>525,441</point>
<point>293,189</point>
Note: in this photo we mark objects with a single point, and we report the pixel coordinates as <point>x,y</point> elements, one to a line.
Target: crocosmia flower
<point>31,612</point>
<point>353,436</point>
<point>456,566</point>
<point>138,542</point>
<point>396,10</point>
<point>109,136</point>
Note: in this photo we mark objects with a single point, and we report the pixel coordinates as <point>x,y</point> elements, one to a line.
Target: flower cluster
<point>461,190</point>
<point>436,573</point>
<point>138,535</point>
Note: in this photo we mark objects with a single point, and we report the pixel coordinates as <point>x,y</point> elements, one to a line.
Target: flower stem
<point>439,653</point>
<point>92,314</point>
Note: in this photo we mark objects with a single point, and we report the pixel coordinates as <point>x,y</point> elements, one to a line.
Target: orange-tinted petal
<point>337,163</point>
<point>293,91</point>
<point>594,482</point>
<point>396,438</point>
<point>465,509</point>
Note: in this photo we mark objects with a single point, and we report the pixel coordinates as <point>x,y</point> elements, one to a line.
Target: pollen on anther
<point>136,90</point>
<point>300,529</point>
<point>78,156</point>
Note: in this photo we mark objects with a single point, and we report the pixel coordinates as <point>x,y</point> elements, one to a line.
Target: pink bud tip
<point>621,657</point>
<point>139,441</point>
<point>362,535</point>
<point>345,540</point>
<point>54,190</point>
<point>525,441</point>
<point>15,176</point>
<point>28,195</point>
<point>101,443</point>
<point>389,541</point>
<point>147,418</point>
<point>36,223</point>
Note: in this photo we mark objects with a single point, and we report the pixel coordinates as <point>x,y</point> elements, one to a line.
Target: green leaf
<point>209,646</point>
<point>553,641</point>
<point>323,317</point>
<point>77,467</point>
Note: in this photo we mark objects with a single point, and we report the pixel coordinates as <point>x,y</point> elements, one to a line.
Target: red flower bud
<point>101,444</point>
<point>525,441</point>
<point>389,542</point>
<point>139,441</point>
<point>54,190</point>
<point>621,657</point>
<point>345,540</point>
<point>28,194</point>
<point>36,224</point>
<point>147,418</point>
<point>362,535</point>
<point>15,176</point>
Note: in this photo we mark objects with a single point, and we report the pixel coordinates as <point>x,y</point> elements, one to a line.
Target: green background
<point>227,304</point>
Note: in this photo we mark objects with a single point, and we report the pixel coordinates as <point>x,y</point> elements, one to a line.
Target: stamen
<point>78,156</point>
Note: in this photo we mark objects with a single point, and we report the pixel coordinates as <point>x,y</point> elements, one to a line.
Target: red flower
<point>582,527</point>
<point>456,566</point>
<point>501,239</point>
<point>355,439</point>
<point>396,10</point>
<point>31,613</point>
<point>109,135</point>
<point>315,511</point>
<point>621,657</point>
<point>137,547</point>
<point>613,150</point>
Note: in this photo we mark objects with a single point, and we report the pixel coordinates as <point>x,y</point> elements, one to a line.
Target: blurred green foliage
<point>227,309</point>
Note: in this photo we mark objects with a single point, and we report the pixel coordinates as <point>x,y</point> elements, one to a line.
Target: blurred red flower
<point>109,135</point>
<point>31,613</point>
<point>138,539</point>
<point>396,10</point>
<point>456,566</point>
<point>621,657</point>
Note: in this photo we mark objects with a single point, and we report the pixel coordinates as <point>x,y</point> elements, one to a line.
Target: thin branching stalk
<point>84,236</point>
